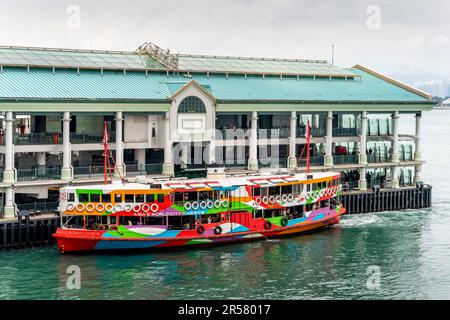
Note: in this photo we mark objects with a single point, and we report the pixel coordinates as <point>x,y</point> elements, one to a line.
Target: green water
<point>410,248</point>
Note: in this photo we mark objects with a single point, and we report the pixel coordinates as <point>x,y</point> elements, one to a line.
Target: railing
<point>37,138</point>
<point>274,162</point>
<point>378,127</point>
<point>87,171</point>
<point>345,159</point>
<point>314,161</point>
<point>378,157</point>
<point>315,132</point>
<point>344,132</point>
<point>35,174</point>
<point>38,207</point>
<point>82,138</point>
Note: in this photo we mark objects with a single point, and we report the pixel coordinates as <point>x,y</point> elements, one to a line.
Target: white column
<point>363,139</point>
<point>329,141</point>
<point>212,136</point>
<point>395,154</point>
<point>168,166</point>
<point>8,173</point>
<point>119,144</point>
<point>417,153</point>
<point>292,161</point>
<point>66,171</point>
<point>253,143</point>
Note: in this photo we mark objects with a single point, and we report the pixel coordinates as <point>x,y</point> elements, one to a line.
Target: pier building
<point>175,114</point>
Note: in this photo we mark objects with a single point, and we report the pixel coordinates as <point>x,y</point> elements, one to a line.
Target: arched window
<point>192,104</point>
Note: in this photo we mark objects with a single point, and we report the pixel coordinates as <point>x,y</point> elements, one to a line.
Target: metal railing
<point>345,159</point>
<point>35,174</point>
<point>83,138</point>
<point>37,138</point>
<point>344,132</point>
<point>38,207</point>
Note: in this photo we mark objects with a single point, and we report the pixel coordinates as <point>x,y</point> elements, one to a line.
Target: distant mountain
<point>435,85</point>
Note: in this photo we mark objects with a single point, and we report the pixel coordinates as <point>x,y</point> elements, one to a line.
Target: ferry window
<point>160,198</point>
<point>190,196</point>
<point>83,197</point>
<point>95,197</point>
<point>203,195</point>
<point>264,191</point>
<point>297,188</point>
<point>71,197</point>
<point>129,198</point>
<point>178,196</point>
<point>256,192</point>
<point>117,198</point>
<point>112,220</point>
<point>308,187</point>
<point>140,198</point>
<point>106,197</point>
<point>150,198</point>
<point>273,191</point>
<point>286,189</point>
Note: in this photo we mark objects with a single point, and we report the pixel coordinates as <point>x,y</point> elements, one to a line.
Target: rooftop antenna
<point>332,54</point>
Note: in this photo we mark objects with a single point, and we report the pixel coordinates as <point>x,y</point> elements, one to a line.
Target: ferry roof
<point>62,75</point>
<point>193,184</point>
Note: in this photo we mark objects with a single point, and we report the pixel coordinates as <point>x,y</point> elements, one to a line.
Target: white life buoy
<point>284,197</point>
<point>266,199</point>
<point>100,207</point>
<point>70,207</point>
<point>291,197</point>
<point>271,199</point>
<point>128,207</point>
<point>145,208</point>
<point>321,193</point>
<point>225,203</point>
<point>109,207</point>
<point>217,204</point>
<point>278,198</point>
<point>118,207</point>
<point>80,207</point>
<point>154,207</point>
<point>194,205</point>
<point>187,206</point>
<point>258,200</point>
<point>203,205</point>
<point>137,208</point>
<point>210,204</point>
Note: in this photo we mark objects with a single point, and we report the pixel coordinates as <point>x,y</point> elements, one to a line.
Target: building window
<point>192,104</point>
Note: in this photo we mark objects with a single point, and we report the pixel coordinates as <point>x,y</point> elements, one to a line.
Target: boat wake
<point>358,220</point>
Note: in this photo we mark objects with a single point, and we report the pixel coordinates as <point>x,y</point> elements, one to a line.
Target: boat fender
<point>194,205</point>
<point>145,208</point>
<point>258,200</point>
<point>203,205</point>
<point>210,204</point>
<point>154,207</point>
<point>225,203</point>
<point>284,221</point>
<point>218,230</point>
<point>109,207</point>
<point>266,199</point>
<point>137,208</point>
<point>284,197</point>
<point>118,208</point>
<point>217,204</point>
<point>80,207</point>
<point>70,207</point>
<point>268,225</point>
<point>187,206</point>
<point>100,207</point>
<point>200,229</point>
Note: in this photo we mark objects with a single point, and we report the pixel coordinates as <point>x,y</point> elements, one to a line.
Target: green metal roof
<point>92,85</point>
<point>118,60</point>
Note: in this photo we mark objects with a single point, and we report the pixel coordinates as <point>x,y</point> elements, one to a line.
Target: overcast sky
<point>392,36</point>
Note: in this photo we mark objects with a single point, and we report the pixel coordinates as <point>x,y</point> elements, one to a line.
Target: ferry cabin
<point>255,202</point>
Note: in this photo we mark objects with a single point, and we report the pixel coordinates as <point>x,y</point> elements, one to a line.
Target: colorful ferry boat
<point>174,213</point>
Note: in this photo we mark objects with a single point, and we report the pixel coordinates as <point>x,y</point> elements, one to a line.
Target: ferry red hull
<point>71,240</point>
